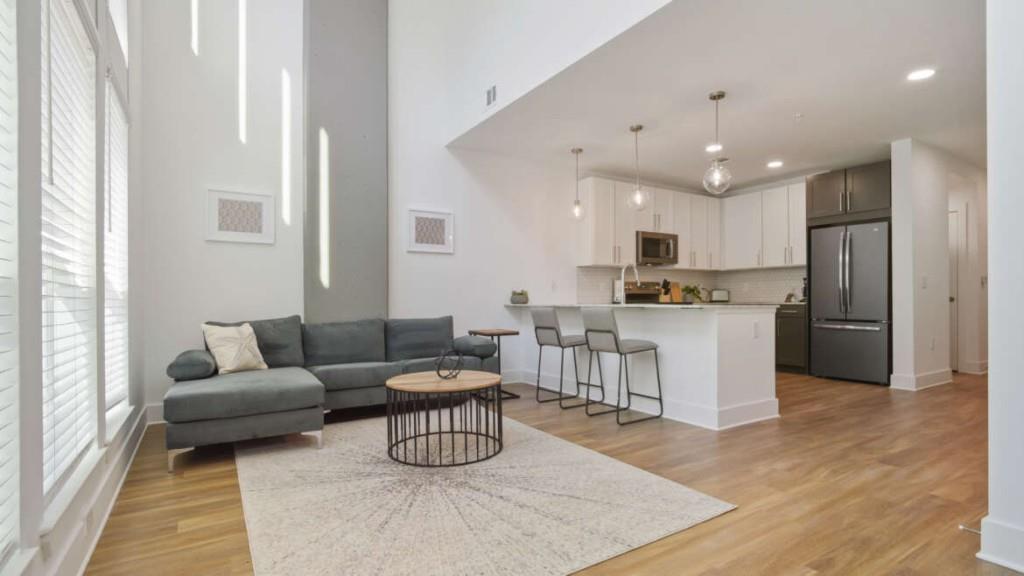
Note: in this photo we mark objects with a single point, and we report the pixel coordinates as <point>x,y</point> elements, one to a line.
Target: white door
<point>714,234</point>
<point>798,224</point>
<point>741,231</point>
<point>664,216</point>
<point>699,231</point>
<point>775,222</point>
<point>954,275</point>
<point>627,222</point>
<point>683,210</point>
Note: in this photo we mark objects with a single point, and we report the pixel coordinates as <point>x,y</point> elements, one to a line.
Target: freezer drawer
<point>850,351</point>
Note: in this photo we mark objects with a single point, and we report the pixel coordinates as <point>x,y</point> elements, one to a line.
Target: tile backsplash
<point>594,285</point>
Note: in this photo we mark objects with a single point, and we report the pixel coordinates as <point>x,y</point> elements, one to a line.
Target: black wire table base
<point>444,429</point>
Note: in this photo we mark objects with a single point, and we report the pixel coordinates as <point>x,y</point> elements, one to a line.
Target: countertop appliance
<point>849,307</point>
<point>642,292</point>
<point>719,295</point>
<point>656,249</point>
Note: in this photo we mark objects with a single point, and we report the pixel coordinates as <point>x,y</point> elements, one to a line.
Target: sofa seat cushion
<point>356,375</point>
<point>344,342</point>
<point>427,364</point>
<point>243,394</point>
<point>409,339</point>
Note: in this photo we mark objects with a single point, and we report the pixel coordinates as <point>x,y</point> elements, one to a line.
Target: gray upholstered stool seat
<point>549,333</point>
<point>602,335</point>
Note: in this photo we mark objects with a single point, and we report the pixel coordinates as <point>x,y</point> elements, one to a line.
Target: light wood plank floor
<point>853,479</point>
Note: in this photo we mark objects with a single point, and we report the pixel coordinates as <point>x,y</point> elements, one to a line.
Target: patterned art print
<point>239,216</point>
<point>431,231</point>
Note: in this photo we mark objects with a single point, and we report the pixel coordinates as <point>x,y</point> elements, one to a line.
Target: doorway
<point>954,275</point>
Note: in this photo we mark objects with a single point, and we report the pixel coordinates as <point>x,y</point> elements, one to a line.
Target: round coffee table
<point>437,422</point>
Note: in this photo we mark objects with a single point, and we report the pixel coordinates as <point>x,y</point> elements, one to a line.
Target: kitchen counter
<point>717,361</point>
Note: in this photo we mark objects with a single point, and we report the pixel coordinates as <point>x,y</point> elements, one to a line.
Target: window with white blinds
<point>8,282</point>
<point>68,240</point>
<point>115,252</point>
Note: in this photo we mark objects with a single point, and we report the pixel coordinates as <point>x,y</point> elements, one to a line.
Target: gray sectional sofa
<point>312,368</point>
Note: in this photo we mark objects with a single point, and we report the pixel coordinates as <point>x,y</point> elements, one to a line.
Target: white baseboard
<point>916,382</point>
<point>154,413</point>
<point>1001,544</point>
<point>978,367</point>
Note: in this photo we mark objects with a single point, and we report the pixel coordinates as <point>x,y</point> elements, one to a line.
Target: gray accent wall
<point>346,63</point>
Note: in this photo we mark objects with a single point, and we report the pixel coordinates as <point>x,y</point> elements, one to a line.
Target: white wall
<point>513,45</point>
<point>922,179</point>
<point>1002,531</point>
<point>512,225</point>
<point>191,143</point>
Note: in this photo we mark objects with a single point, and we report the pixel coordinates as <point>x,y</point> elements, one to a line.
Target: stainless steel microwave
<point>656,249</point>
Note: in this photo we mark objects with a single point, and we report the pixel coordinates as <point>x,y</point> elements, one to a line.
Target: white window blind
<point>115,251</point>
<point>8,282</point>
<point>68,240</point>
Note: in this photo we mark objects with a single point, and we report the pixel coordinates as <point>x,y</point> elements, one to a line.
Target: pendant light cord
<point>636,156</point>
<point>577,153</point>
<point>717,141</point>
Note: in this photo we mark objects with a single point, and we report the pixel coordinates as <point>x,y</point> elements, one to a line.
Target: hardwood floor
<point>853,479</point>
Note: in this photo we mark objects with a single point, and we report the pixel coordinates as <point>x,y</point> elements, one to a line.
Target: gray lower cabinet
<point>791,337</point>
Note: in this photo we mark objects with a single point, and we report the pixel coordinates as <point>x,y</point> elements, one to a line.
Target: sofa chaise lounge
<point>311,368</point>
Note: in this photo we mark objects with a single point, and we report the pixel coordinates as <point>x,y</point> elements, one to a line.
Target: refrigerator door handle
<point>850,327</point>
<point>839,271</point>
<point>846,272</point>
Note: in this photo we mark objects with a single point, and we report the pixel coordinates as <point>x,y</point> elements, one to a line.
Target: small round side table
<point>495,335</point>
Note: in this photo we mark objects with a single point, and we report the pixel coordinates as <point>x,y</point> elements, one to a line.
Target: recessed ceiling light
<point>775,164</point>
<point>922,74</point>
<point>714,147</point>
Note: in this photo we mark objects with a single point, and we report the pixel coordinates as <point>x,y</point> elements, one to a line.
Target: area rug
<point>541,506</point>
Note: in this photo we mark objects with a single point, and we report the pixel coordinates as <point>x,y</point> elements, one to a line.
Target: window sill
<point>116,419</point>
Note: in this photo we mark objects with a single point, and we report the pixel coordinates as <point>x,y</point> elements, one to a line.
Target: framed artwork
<point>239,217</point>
<point>431,231</point>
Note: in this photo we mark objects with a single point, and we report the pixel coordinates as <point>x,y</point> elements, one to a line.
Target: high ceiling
<point>816,83</point>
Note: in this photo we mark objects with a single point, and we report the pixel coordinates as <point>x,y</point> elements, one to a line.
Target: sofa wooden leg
<point>170,457</point>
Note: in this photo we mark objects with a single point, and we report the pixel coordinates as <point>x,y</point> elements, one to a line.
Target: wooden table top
<point>494,332</point>
<point>431,383</point>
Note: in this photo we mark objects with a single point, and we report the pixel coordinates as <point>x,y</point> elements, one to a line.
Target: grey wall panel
<point>346,96</point>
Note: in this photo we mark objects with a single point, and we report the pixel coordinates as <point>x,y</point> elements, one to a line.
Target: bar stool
<point>602,335</point>
<point>549,333</point>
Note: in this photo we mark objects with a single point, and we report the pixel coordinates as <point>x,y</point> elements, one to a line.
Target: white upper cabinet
<point>663,202</point>
<point>775,227</point>
<point>628,221</point>
<point>595,234</point>
<point>698,232</point>
<point>684,229</point>
<point>741,231</point>
<point>797,224</point>
<point>714,233</point>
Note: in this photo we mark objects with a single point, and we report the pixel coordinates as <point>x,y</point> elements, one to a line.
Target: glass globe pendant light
<point>577,211</point>
<point>717,178</point>
<point>639,198</point>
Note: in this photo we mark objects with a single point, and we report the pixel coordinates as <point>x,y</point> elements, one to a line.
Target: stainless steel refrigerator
<point>849,279</point>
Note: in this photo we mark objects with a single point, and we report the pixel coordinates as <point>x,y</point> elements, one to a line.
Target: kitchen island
<point>717,361</point>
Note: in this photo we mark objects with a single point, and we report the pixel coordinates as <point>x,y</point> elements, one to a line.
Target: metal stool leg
<point>661,405</point>
<point>576,374</point>
<point>560,395</point>
<point>600,375</point>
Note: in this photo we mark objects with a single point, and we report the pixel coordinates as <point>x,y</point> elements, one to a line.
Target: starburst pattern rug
<point>541,506</point>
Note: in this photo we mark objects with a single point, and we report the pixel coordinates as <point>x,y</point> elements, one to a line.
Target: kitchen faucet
<point>622,279</point>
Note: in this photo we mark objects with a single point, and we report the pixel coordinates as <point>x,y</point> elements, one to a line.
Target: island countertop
<point>700,306</point>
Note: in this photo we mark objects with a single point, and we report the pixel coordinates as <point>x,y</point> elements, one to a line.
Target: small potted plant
<point>691,294</point>
<point>520,297</point>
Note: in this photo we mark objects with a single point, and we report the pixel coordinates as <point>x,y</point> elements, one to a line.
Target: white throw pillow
<point>234,348</point>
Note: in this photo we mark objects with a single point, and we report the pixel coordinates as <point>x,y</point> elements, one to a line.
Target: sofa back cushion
<point>418,338</point>
<point>344,342</point>
<point>279,340</point>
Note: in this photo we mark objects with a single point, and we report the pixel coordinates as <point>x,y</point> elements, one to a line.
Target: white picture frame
<point>431,231</point>
<point>240,217</point>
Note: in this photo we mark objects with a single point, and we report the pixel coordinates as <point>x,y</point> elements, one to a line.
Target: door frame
<point>955,253</point>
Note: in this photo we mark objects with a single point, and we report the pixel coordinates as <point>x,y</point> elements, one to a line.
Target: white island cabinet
<point>717,361</point>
